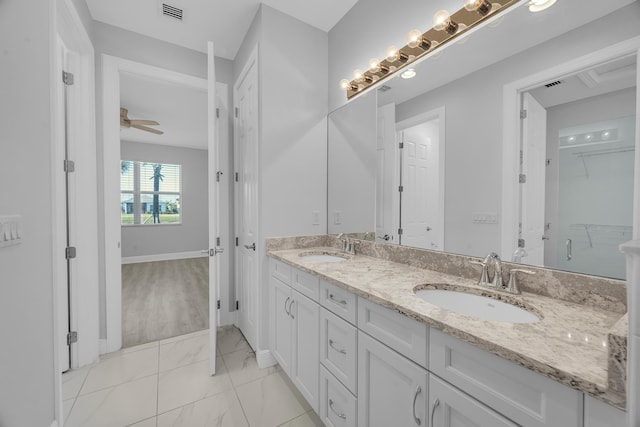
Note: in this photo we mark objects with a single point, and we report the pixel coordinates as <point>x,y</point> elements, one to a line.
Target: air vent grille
<point>171,11</point>
<point>384,88</point>
<point>552,84</point>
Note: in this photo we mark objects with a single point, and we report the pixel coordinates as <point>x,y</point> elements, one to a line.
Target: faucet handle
<point>484,275</point>
<point>512,285</point>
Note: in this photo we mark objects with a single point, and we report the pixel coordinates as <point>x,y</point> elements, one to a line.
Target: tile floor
<point>166,383</point>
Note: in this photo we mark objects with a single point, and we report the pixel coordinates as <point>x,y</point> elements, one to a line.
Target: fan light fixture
<point>409,73</point>
<point>540,5</point>
<point>446,27</point>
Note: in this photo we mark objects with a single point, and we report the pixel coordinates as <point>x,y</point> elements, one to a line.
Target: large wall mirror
<point>431,172</point>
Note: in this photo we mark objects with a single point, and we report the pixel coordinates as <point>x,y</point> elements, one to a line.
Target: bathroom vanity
<point>364,350</point>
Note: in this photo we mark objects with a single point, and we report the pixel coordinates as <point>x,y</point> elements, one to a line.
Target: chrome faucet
<point>345,241</point>
<point>497,281</point>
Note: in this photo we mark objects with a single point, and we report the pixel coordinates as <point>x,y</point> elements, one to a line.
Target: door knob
<point>253,246</point>
<point>429,229</point>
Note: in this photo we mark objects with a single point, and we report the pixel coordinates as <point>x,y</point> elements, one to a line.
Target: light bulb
<point>392,54</point>
<point>540,5</point>
<point>374,65</point>
<point>415,39</point>
<point>358,76</point>
<point>345,84</point>
<point>442,21</point>
<point>483,7</point>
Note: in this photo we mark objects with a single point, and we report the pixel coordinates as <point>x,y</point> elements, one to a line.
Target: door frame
<point>440,114</point>
<point>112,67</point>
<point>67,26</point>
<point>512,127</point>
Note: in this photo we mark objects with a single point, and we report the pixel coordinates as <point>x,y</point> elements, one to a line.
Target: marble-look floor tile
<point>66,406</point>
<point>271,401</point>
<point>149,422</point>
<point>243,368</point>
<point>185,336</point>
<point>230,339</point>
<point>120,369</point>
<point>121,405</point>
<point>72,382</point>
<point>310,419</point>
<point>190,383</point>
<point>127,350</point>
<point>221,410</point>
<point>184,352</point>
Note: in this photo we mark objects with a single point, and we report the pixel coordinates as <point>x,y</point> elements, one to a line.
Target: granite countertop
<point>569,344</point>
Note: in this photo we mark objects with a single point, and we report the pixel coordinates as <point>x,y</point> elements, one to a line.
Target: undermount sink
<point>323,257</point>
<point>480,307</point>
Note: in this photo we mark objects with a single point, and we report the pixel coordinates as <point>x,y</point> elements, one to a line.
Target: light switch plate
<point>10,230</point>
<point>315,218</point>
<point>485,217</point>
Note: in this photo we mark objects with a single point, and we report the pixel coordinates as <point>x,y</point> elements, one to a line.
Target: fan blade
<point>144,122</point>
<point>148,129</point>
<point>125,123</point>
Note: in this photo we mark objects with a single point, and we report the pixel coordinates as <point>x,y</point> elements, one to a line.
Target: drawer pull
<point>343,416</point>
<point>291,309</point>
<point>415,398</point>
<point>436,403</point>
<point>285,306</point>
<point>339,301</point>
<point>339,350</point>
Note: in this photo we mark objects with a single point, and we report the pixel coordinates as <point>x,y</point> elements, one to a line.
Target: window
<point>149,193</point>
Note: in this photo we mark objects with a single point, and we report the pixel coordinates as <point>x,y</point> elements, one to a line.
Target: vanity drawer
<point>403,334</point>
<point>305,283</point>
<point>521,395</point>
<point>339,301</point>
<point>338,348</point>
<point>338,407</point>
<point>281,271</point>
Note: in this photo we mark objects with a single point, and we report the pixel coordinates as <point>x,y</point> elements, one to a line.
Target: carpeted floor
<point>164,299</point>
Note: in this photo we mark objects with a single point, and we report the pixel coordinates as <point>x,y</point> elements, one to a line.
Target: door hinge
<point>236,112</point>
<point>218,175</point>
<point>70,252</point>
<point>67,78</point>
<point>521,243</point>
<point>548,162</point>
<point>400,188</point>
<point>399,231</point>
<point>523,114</point>
<point>401,145</point>
<point>218,116</point>
<point>69,166</point>
<point>522,178</point>
<point>218,304</point>
<point>236,177</point>
<point>218,241</point>
<point>236,241</point>
<point>237,305</point>
<point>72,337</point>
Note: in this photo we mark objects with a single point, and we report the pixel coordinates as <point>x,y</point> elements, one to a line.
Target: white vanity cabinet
<point>392,390</point>
<point>294,333</point>
<point>599,414</point>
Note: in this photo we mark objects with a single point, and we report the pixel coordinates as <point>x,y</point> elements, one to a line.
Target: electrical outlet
<point>10,230</point>
<point>485,217</point>
<point>337,217</point>
<point>315,218</point>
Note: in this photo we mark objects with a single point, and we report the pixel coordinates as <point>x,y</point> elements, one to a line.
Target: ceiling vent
<point>552,84</point>
<point>384,88</point>
<point>171,11</point>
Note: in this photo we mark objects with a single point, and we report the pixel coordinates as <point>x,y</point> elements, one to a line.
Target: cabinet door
<point>305,363</point>
<point>452,408</point>
<point>392,390</point>
<point>280,319</point>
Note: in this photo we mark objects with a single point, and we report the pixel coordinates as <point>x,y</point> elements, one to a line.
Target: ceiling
<point>180,110</point>
<point>225,22</point>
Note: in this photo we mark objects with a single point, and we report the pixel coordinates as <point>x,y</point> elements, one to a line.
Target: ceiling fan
<point>138,124</point>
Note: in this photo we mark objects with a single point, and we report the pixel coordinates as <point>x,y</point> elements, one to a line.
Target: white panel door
<point>534,150</point>
<point>392,390</point>
<point>386,173</point>
<point>421,222</point>
<point>214,251</point>
<point>247,139</point>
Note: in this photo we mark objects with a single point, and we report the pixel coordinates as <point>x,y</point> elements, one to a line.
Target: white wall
<point>293,131</point>
<point>125,44</point>
<point>26,283</point>
<point>192,234</point>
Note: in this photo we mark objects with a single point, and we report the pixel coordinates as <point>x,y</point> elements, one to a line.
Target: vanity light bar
<point>448,28</point>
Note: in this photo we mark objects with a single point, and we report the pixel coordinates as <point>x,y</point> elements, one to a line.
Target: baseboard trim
<point>162,257</point>
<point>265,359</point>
<point>102,346</point>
